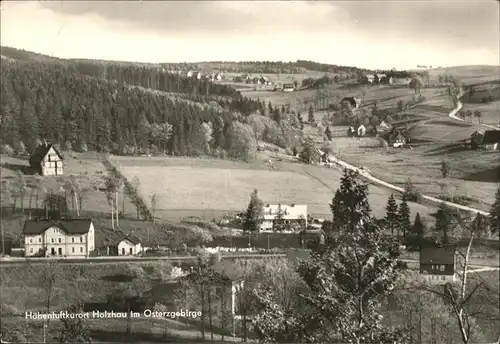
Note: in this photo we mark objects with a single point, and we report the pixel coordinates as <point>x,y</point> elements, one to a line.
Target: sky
<point>367,34</point>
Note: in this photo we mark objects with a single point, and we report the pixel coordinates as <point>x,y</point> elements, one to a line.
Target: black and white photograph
<point>250,172</point>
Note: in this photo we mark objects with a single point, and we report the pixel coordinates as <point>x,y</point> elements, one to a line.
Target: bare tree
<point>458,296</point>
<point>21,186</point>
<point>154,200</point>
<point>48,274</point>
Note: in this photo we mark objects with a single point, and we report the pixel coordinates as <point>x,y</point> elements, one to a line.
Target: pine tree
<point>418,229</point>
<point>350,206</point>
<point>254,214</point>
<point>442,228</point>
<point>391,217</point>
<point>328,133</point>
<point>310,117</point>
<point>404,217</point>
<point>495,214</point>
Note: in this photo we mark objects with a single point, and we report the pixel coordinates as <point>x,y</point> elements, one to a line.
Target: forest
<point>123,109</point>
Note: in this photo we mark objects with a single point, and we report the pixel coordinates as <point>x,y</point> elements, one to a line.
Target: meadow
<point>473,176</point>
<point>208,187</point>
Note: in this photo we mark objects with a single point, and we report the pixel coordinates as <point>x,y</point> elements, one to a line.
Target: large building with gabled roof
<point>60,238</point>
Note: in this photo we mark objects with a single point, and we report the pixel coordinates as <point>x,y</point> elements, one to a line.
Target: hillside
<point>112,107</point>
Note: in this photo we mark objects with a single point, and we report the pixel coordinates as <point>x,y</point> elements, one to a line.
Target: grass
<point>208,187</point>
<point>474,174</point>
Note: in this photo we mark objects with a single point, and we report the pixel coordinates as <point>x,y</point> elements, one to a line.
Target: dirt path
<point>453,114</point>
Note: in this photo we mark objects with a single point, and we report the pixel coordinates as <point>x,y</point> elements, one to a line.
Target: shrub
<point>7,150</point>
<point>411,193</point>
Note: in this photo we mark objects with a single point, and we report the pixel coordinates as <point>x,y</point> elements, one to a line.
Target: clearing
<point>207,187</point>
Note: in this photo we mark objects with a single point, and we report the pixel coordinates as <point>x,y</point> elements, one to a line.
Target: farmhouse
<point>438,264</point>
<point>46,160</point>
<point>71,238</point>
<point>355,102</point>
<point>129,245</point>
<point>279,214</point>
<point>368,79</point>
<point>361,130</point>
<point>490,139</point>
<point>288,88</point>
<point>401,81</point>
<point>380,78</point>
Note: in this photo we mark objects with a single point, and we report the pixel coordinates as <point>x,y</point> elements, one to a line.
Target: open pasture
<point>473,177</point>
<point>466,74</point>
<point>205,187</point>
<point>490,112</point>
<point>444,129</point>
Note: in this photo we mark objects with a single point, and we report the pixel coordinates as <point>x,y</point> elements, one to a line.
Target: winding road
<point>453,115</point>
<point>371,178</point>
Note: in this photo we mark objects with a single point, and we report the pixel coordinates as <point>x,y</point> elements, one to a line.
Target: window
<point>59,240</point>
<point>131,250</point>
<point>72,250</point>
<point>81,249</point>
<point>40,239</point>
<point>52,240</point>
<point>31,250</point>
<point>442,267</point>
<point>73,240</point>
<point>442,278</point>
<point>81,239</point>
<point>31,240</point>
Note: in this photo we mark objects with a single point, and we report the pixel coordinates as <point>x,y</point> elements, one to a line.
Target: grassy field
<point>466,74</point>
<point>208,186</point>
<point>474,174</point>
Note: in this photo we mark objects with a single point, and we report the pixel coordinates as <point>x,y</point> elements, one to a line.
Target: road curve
<point>453,115</point>
<point>368,176</point>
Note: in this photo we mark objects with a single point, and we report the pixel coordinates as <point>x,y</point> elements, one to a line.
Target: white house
<point>46,160</point>
<point>71,238</point>
<point>361,130</point>
<point>289,214</point>
<point>129,246</point>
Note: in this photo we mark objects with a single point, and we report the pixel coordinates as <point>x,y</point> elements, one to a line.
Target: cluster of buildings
<point>370,79</point>
<point>489,139</point>
<point>210,76</point>
<point>73,238</point>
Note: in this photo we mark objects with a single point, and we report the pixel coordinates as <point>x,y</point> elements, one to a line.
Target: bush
<point>411,193</point>
<point>7,150</point>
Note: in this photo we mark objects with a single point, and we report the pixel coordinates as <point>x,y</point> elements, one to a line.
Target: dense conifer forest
<point>119,108</point>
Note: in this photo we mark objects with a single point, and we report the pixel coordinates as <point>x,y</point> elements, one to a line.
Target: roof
<point>290,212</point>
<point>437,255</point>
<point>40,153</point>
<point>380,76</point>
<point>133,239</point>
<point>75,226</point>
<point>118,236</point>
<point>491,137</point>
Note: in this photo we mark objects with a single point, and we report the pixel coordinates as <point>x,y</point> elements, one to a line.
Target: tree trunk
<point>202,312</point>
<point>210,314</point>
<point>75,200</point>
<point>116,209</point>
<point>112,214</point>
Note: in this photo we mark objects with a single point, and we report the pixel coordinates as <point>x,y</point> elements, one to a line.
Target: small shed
<point>129,246</point>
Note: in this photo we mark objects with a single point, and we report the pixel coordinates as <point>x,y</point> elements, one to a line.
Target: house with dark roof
<point>438,263</point>
<point>489,139</point>
<point>355,102</point>
<point>46,160</point>
<point>62,238</point>
<point>117,243</point>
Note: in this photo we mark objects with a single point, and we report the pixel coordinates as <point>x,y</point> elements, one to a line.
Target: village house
<point>380,78</point>
<point>190,73</point>
<point>288,87</point>
<point>438,264</point>
<point>288,215</point>
<point>361,131</point>
<point>46,160</point>
<point>368,79</point>
<point>62,238</point>
<point>354,102</point>
<point>401,81</point>
<point>489,139</point>
<point>129,245</point>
